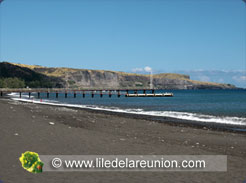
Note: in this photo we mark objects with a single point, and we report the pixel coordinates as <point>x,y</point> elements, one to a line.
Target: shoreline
<point>160,119</point>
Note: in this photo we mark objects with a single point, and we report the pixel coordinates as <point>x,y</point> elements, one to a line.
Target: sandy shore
<point>25,126</point>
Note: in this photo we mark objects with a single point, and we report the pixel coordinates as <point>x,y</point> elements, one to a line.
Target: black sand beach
<point>25,126</point>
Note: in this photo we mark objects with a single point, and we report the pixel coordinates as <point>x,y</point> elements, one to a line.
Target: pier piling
<point>136,92</point>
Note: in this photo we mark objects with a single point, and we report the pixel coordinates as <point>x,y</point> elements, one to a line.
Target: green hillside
<point>14,76</point>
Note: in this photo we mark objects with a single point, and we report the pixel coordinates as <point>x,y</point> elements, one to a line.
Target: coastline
<point>161,119</point>
<point>85,131</point>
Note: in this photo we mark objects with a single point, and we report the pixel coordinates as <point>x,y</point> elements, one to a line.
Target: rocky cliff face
<point>82,78</point>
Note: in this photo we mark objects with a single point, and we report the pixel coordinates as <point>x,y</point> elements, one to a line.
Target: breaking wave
<point>172,114</point>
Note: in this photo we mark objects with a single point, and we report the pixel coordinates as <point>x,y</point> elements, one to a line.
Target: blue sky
<point>167,35</point>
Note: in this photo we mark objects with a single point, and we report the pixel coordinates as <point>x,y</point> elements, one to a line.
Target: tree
<point>12,83</point>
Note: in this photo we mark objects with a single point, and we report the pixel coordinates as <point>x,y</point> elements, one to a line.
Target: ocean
<point>226,107</point>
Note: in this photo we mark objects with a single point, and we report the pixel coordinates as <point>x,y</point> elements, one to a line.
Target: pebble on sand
<point>51,123</point>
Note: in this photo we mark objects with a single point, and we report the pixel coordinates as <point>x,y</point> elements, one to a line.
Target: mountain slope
<point>29,76</point>
<point>84,78</point>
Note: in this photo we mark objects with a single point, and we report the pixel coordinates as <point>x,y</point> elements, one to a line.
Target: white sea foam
<point>13,94</point>
<point>172,114</point>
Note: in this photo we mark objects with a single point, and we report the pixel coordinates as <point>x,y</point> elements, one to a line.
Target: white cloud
<point>148,69</point>
<point>137,70</point>
<point>145,69</point>
<point>239,78</point>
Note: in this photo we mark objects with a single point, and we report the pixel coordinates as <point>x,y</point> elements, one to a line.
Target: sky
<point>125,35</point>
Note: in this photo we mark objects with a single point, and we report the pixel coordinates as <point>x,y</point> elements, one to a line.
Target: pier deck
<point>65,91</point>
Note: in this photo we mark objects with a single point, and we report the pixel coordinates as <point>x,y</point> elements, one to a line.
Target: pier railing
<point>136,92</point>
<point>9,90</point>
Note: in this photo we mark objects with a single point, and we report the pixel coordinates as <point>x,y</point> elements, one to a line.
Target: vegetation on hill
<point>13,76</point>
<point>172,76</point>
<point>12,83</point>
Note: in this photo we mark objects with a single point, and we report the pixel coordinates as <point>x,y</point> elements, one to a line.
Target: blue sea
<point>208,106</point>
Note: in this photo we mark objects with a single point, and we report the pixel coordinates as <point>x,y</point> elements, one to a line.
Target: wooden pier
<point>92,92</point>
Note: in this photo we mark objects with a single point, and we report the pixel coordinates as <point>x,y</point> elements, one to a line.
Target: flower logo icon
<point>30,161</point>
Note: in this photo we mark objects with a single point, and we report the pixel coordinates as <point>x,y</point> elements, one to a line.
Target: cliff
<point>84,78</point>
